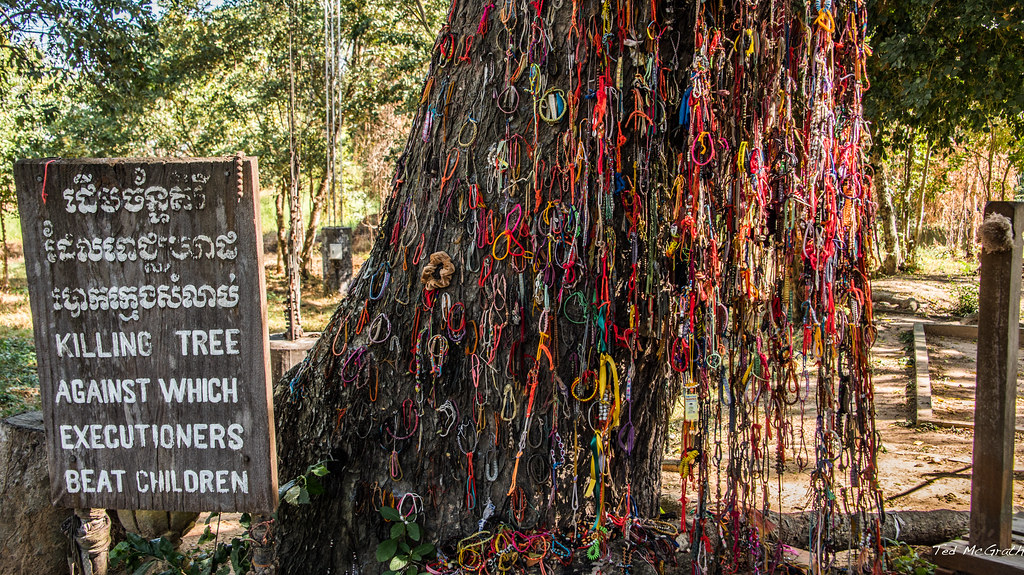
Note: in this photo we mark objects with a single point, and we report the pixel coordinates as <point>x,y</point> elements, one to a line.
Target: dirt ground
<point>926,468</point>
<point>952,363</point>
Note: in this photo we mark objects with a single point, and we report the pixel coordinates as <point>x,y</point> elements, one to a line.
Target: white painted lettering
<point>235,436</point>
<point>71,483</point>
<point>240,482</point>
<point>231,341</point>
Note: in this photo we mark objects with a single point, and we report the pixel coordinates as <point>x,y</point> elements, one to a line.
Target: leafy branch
<point>399,552</point>
<point>298,491</point>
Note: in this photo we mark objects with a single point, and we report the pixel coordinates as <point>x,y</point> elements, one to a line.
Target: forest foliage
<point>197,78</point>
<point>947,102</point>
<point>202,78</point>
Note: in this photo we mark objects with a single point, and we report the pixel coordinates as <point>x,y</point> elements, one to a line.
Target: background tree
<point>941,73</point>
<point>191,79</point>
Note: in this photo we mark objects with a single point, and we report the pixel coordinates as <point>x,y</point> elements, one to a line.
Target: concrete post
<point>336,248</point>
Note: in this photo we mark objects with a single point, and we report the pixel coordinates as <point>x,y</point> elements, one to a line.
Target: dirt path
<point>920,468</point>
<point>927,468</point>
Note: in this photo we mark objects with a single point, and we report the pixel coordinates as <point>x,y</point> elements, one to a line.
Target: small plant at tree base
<point>143,556</point>
<point>299,490</point>
<point>903,560</point>
<point>966,300</point>
<point>399,552</point>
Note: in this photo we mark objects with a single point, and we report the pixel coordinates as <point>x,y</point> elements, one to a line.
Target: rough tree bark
<point>434,210</point>
<point>571,237</point>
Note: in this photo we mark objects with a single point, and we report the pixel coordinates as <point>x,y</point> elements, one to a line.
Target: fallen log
<point>910,527</point>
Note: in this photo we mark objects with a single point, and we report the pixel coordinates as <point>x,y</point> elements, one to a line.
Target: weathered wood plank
<point>149,305</point>
<point>996,387</point>
<point>956,330</point>
<point>959,555</point>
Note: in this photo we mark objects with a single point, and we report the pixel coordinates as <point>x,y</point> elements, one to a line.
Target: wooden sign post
<point>149,305</point>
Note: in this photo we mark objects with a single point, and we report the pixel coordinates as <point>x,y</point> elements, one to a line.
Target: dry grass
<point>15,315</point>
<point>19,384</point>
<point>316,308</point>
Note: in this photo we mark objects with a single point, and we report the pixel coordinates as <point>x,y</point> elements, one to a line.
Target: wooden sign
<point>149,305</point>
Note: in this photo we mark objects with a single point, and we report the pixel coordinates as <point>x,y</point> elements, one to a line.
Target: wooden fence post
<point>996,384</point>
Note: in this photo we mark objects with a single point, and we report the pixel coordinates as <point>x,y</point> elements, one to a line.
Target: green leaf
<point>236,560</point>
<point>412,570</point>
<point>303,496</point>
<point>386,550</point>
<point>320,470</point>
<point>207,536</point>
<point>398,562</point>
<point>165,548</point>
<point>397,530</point>
<point>245,520</point>
<point>313,485</point>
<point>424,549</point>
<point>414,531</point>
<point>118,553</point>
<point>390,513</point>
<point>212,516</point>
<point>293,493</point>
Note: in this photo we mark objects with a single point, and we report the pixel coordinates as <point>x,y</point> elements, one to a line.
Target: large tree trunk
<point>433,208</point>
<point>571,237</point>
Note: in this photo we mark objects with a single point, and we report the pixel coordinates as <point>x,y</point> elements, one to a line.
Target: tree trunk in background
<point>906,203</point>
<point>573,236</point>
<point>972,217</point>
<point>1006,174</point>
<point>990,162</point>
<point>5,282</point>
<point>917,217</point>
<point>893,259</point>
<point>317,202</point>
<point>282,230</point>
